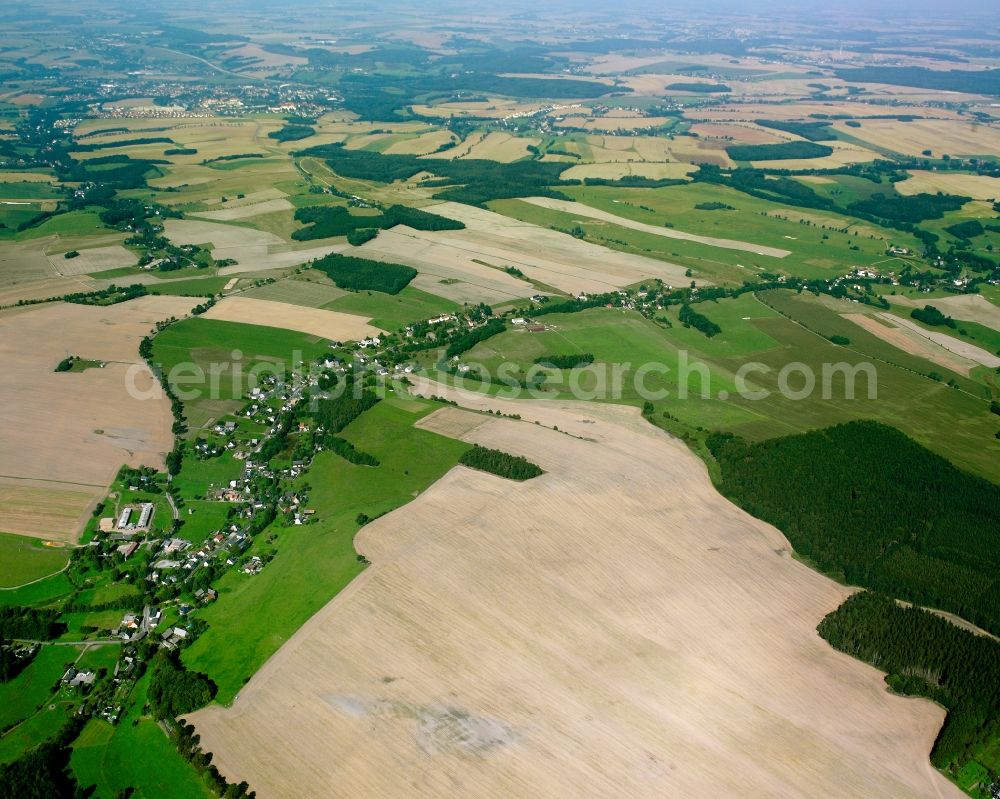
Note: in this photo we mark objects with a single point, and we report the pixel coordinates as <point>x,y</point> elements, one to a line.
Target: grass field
<point>22,696</point>
<point>205,342</point>
<point>134,753</point>
<point>954,422</point>
<point>815,252</point>
<point>23,560</point>
<point>45,592</point>
<point>392,312</point>
<point>255,615</point>
<point>195,287</point>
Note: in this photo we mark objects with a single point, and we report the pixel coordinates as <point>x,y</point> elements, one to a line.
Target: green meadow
<point>135,753</point>
<point>786,328</point>
<point>24,559</point>
<point>256,614</point>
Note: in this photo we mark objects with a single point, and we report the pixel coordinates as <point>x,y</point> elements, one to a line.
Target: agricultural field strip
<point>595,213</point>
<point>333,325</point>
<point>971,307</point>
<point>908,341</point>
<point>618,580</point>
<point>71,445</point>
<point>961,348</point>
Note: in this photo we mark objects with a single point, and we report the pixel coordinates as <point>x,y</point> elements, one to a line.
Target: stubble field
<point>613,627</point>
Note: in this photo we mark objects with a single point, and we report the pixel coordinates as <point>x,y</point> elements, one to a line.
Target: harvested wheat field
<point>298,290</point>
<point>589,212</point>
<point>253,250</point>
<point>493,240</point>
<point>901,337</point>
<point>611,628</point>
<point>94,259</point>
<point>970,307</point>
<point>619,169</point>
<point>230,213</point>
<point>313,321</point>
<point>68,433</point>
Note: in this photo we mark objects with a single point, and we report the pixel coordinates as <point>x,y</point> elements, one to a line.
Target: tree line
<point>503,464</point>
<point>925,655</point>
<point>865,501</point>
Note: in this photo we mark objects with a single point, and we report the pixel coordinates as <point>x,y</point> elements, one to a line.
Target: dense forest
<point>336,413</point>
<point>566,361</point>
<point>483,180</point>
<point>513,467</point>
<point>864,501</point>
<point>362,274</point>
<point>973,81</point>
<point>778,152</point>
<point>925,655</point>
<point>174,691</point>
<point>813,131</point>
<point>30,624</point>
<point>324,221</point>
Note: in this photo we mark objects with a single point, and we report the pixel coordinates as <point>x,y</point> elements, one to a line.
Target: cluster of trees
<point>689,317</point>
<point>513,467</point>
<point>362,274</point>
<point>181,151</point>
<point>173,690</point>
<point>31,624</point>
<point>813,131</point>
<point>864,501</point>
<point>338,412</point>
<point>292,132</point>
<point>189,746</point>
<point>346,450</point>
<point>925,655</point>
<point>778,152</point>
<point>566,361</point>
<point>112,295</point>
<point>43,772</point>
<point>466,341</point>
<point>700,88</point>
<point>968,229</point>
<point>481,180</point>
<point>324,221</point>
<point>714,206</point>
<point>930,315</point>
<point>10,664</point>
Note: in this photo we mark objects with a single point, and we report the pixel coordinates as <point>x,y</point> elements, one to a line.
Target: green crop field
<point>256,614</point>
<point>24,559</point>
<point>196,287</point>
